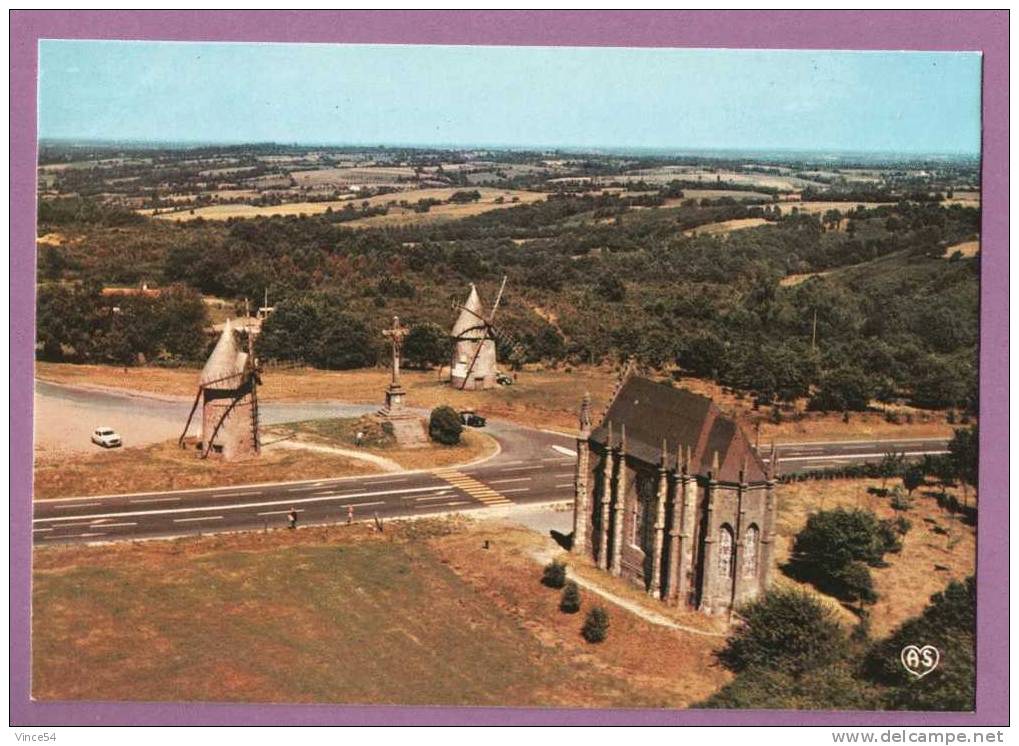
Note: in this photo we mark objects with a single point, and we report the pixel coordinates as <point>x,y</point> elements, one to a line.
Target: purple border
<point>985,31</point>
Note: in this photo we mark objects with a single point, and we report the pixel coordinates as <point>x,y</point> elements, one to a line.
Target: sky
<point>680,99</point>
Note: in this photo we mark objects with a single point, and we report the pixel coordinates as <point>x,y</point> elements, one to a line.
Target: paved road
<point>533,466</point>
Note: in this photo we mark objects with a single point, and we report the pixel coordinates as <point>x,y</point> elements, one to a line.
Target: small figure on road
<point>350,514</point>
<point>292,518</point>
<point>359,439</point>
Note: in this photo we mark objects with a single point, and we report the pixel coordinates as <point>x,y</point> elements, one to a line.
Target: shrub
<point>570,601</point>
<point>948,623</point>
<point>789,630</point>
<point>902,525</point>
<point>900,501</point>
<point>912,478</point>
<point>833,540</point>
<point>444,426</point>
<point>857,583</point>
<point>596,626</point>
<point>554,575</point>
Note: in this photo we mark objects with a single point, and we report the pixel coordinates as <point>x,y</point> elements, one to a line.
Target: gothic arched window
<point>750,548</point>
<point>725,545</point>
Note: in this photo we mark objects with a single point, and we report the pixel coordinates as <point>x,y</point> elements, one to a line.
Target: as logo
<point>920,661</point>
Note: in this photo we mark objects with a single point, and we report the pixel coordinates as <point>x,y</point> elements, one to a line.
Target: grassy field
<point>928,561</point>
<point>544,399</point>
<point>396,216</point>
<point>341,615</point>
<point>726,226</point>
<point>165,466</point>
<point>966,248</point>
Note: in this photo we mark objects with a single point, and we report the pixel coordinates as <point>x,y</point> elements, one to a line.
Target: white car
<point>106,437</point>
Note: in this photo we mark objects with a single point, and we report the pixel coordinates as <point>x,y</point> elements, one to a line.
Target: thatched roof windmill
<point>228,393</point>
<point>473,364</point>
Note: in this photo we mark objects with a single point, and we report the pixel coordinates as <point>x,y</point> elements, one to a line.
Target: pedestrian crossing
<point>480,492</point>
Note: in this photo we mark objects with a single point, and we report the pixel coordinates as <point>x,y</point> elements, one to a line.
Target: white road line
<point>38,530</point>
<point>518,489</point>
<point>365,505</point>
<point>87,535</point>
<point>507,481</point>
<point>203,518</point>
<point>565,451</point>
<point>238,493</point>
<point>522,468</point>
<point>426,499</point>
<point>781,445</point>
<point>241,506</point>
<point>851,456</point>
<point>449,505</point>
<point>118,525</point>
<point>390,481</point>
<point>564,486</point>
<point>77,505</point>
<point>280,512</point>
<point>156,500</point>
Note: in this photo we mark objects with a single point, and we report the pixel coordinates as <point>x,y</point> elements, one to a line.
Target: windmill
<point>228,393</point>
<point>474,338</point>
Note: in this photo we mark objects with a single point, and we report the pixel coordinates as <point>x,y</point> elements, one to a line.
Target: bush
<point>912,478</point>
<point>900,500</point>
<point>570,601</point>
<point>596,626</point>
<point>789,630</point>
<point>949,624</point>
<point>554,574</point>
<point>444,426</point>
<point>857,583</point>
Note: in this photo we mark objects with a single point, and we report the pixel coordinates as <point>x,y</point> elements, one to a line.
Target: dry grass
<point>339,615</point>
<point>813,208</point>
<point>967,248</point>
<point>544,399</point>
<point>725,227</point>
<point>396,216</point>
<point>165,466</point>
<point>341,432</point>
<point>928,560</point>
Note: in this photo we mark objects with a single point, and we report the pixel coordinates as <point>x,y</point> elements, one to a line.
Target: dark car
<point>470,418</point>
<point>502,379</point>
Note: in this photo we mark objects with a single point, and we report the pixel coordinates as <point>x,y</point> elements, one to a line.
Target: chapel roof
<point>655,413</point>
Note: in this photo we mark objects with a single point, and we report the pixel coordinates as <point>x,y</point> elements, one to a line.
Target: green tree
<point>426,345</point>
<point>444,426</point>
<point>569,603</point>
<point>787,630</point>
<point>596,625</point>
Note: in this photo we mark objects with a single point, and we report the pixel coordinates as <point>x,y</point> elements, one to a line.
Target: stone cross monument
<point>395,393</point>
<point>407,427</point>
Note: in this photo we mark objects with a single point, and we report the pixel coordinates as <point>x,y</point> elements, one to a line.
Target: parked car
<point>503,379</point>
<point>470,418</point>
<point>106,437</point>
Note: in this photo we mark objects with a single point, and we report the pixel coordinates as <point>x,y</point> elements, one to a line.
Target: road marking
<point>851,456</point>
<point>240,506</point>
<point>76,505</point>
<point>571,485</point>
<point>38,530</point>
<point>523,468</point>
<point>86,535</point>
<point>434,497</point>
<point>518,489</point>
<point>365,505</point>
<point>203,518</point>
<point>155,500</point>
<point>478,490</point>
<point>565,451</point>
<point>507,481</point>
<point>280,512</point>
<point>390,481</point>
<point>118,525</point>
<point>564,474</point>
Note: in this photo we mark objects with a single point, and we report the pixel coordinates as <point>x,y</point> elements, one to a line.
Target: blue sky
<point>682,99</point>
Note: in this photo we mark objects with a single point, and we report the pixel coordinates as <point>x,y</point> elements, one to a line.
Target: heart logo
<point>920,661</point>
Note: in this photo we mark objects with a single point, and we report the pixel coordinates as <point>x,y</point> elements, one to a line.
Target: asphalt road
<point>533,466</point>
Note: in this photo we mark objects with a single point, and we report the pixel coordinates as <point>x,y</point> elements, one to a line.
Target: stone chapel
<point>671,496</point>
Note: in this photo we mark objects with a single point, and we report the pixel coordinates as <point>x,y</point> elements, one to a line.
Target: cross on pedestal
<point>395,393</point>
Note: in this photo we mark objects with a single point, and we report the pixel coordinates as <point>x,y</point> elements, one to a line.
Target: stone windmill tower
<point>473,364</point>
<point>228,395</point>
